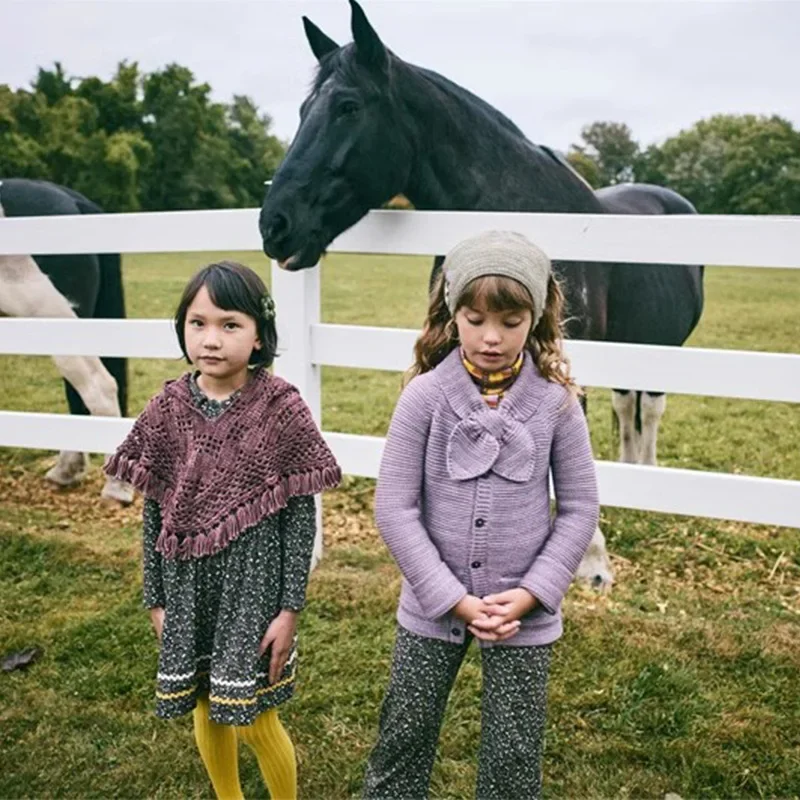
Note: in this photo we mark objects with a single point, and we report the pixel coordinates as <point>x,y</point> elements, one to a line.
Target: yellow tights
<point>267,738</point>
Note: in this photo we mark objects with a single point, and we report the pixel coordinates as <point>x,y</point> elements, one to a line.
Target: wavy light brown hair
<point>439,335</point>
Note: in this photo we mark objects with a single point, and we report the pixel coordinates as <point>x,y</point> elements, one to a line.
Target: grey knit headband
<point>504,253</point>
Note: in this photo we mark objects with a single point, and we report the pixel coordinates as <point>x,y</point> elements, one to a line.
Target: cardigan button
<point>455,632</point>
<point>476,564</point>
<point>480,522</point>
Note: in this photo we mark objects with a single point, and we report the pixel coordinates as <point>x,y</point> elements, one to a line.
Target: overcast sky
<point>550,66</point>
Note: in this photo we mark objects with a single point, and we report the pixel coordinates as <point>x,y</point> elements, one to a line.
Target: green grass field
<point>684,679</point>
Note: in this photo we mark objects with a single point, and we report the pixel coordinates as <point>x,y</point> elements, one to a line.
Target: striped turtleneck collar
<point>493,385</point>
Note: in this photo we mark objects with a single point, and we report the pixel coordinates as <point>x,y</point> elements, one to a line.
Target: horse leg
<point>653,405</point>
<point>595,568</point>
<point>624,405</point>
<point>69,470</point>
<point>98,390</point>
<point>27,292</point>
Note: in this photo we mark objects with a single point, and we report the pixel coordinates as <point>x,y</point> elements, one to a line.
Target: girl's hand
<point>279,635</point>
<point>510,605</point>
<point>475,612</point>
<point>470,608</point>
<point>492,629</point>
<point>504,611</point>
<point>157,621</point>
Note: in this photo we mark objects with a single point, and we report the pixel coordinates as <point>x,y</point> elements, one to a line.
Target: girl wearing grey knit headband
<point>462,503</point>
<point>505,277</point>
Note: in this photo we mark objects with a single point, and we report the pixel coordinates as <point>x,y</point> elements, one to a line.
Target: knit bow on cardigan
<point>488,440</point>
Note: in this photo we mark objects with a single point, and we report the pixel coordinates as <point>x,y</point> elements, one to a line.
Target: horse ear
<point>369,48</point>
<point>321,44</point>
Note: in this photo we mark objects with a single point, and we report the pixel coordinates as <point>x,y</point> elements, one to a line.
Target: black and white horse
<point>375,126</point>
<point>68,286</point>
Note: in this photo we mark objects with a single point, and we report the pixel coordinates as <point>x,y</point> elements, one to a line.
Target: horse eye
<point>347,108</point>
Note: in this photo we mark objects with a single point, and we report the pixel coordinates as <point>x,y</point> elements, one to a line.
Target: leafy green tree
<point>253,146</point>
<point>117,101</point>
<point>586,167</point>
<point>20,153</point>
<point>53,84</point>
<point>138,141</point>
<point>610,146</point>
<point>731,164</point>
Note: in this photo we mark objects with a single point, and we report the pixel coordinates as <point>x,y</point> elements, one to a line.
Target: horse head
<point>351,151</point>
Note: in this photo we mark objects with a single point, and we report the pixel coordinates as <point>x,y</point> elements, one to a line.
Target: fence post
<point>297,302</point>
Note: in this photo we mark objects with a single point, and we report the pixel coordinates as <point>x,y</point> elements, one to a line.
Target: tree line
<point>139,141</point>
<point>727,164</point>
<point>157,141</point>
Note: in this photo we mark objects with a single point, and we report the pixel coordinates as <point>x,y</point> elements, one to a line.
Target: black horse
<point>81,285</point>
<point>375,126</point>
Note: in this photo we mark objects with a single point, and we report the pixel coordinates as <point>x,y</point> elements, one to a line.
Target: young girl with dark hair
<point>228,458</point>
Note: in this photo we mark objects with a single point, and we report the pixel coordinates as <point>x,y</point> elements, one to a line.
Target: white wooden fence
<point>307,344</point>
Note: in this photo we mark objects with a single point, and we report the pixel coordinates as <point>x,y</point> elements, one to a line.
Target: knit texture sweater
<point>215,477</point>
<point>462,500</point>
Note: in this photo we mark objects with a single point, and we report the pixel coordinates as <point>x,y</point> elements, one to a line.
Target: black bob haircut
<point>232,287</point>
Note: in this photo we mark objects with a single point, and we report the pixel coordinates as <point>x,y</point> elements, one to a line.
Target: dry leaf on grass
<point>21,659</point>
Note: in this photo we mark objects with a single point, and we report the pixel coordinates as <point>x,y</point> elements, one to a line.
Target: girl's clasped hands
<point>496,617</point>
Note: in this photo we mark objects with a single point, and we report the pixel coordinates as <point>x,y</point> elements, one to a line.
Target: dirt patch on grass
<point>782,640</point>
<point>77,515</point>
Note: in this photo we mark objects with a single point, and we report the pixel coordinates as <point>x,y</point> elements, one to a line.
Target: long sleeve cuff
<point>547,581</point>
<point>439,593</point>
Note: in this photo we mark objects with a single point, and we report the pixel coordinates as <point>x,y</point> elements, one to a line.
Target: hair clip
<point>268,307</point>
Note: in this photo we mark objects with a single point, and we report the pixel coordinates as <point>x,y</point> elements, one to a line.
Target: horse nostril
<point>277,227</point>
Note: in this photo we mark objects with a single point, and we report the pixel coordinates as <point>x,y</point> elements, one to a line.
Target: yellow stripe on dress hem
<point>226,701</point>
<point>175,695</point>
<point>234,701</point>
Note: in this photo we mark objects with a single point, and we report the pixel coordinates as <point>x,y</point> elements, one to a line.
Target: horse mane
<point>459,113</point>
<point>447,86</point>
<point>560,159</point>
<point>342,62</point>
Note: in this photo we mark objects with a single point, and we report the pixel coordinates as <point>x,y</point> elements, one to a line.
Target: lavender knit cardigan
<point>462,498</point>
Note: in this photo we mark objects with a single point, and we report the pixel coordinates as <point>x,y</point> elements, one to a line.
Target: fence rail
<point>742,241</point>
<point>309,344</point>
<point>679,491</point>
<point>713,373</point>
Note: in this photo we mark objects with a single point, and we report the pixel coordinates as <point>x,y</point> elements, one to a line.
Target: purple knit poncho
<point>216,477</point>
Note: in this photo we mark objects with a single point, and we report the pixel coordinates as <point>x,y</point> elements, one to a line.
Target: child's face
<point>219,342</point>
<point>492,340</point>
